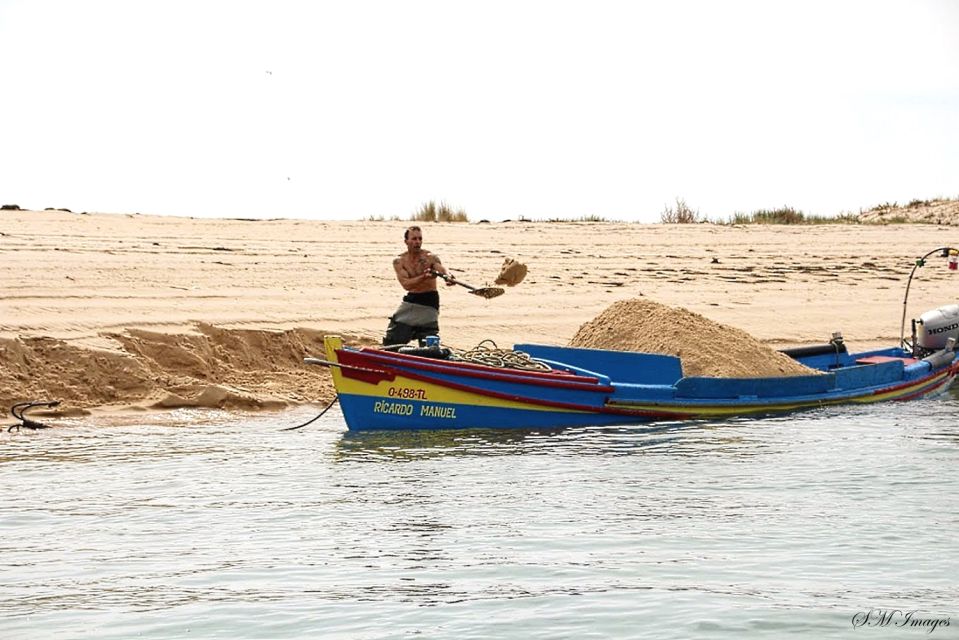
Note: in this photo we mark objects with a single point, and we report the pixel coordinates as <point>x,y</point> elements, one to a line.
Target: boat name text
<point>433,411</point>
<point>406,409</point>
<point>393,408</point>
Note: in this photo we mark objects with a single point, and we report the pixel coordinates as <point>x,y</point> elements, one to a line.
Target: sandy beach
<point>127,310</point>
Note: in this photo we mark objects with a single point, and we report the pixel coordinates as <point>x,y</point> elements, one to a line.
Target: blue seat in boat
<point>619,366</point>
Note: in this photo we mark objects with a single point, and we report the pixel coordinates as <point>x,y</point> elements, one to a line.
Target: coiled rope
<point>487,353</point>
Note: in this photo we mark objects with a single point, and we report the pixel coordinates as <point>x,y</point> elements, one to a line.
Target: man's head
<point>413,238</point>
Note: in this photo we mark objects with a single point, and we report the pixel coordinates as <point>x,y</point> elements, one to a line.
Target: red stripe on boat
<point>553,379</point>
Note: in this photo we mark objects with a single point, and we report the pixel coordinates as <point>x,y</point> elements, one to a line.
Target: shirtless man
<point>418,314</point>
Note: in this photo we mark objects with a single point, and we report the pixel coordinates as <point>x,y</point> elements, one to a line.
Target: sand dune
<point>940,211</point>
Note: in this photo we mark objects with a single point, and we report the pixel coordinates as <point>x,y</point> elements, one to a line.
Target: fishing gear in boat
<point>486,352</point>
<point>483,292</point>
<point>18,410</point>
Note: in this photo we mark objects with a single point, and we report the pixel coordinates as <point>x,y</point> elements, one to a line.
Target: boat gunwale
<point>921,387</point>
<point>554,379</point>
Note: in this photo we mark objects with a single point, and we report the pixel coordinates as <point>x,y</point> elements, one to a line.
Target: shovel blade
<point>488,292</point>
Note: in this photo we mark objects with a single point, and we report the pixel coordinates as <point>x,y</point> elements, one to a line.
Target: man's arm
<point>438,267</point>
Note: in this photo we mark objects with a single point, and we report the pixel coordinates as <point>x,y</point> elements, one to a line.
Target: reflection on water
<point>675,439</point>
<point>214,524</point>
<point>694,438</point>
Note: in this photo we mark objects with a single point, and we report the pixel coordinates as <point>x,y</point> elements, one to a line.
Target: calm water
<point>208,525</point>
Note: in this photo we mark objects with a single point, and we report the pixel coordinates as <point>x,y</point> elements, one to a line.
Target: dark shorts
<point>426,298</point>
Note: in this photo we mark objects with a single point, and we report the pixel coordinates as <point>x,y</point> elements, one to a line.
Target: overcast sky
<point>543,109</point>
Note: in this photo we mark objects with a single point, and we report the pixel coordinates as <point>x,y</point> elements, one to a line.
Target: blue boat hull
<point>385,390</point>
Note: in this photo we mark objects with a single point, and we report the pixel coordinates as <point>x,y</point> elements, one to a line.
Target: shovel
<point>483,292</point>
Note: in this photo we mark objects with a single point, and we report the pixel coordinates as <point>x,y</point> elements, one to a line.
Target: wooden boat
<point>381,389</point>
<point>430,388</point>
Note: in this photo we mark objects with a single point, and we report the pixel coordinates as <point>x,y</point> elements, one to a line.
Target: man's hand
<point>448,277</point>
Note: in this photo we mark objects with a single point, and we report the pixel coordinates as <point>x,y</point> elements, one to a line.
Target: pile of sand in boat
<point>706,348</point>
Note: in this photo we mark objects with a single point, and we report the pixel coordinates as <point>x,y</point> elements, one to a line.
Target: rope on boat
<point>314,419</point>
<point>18,411</point>
<point>487,353</point>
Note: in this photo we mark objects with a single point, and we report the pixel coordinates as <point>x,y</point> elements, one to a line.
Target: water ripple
<point>213,524</point>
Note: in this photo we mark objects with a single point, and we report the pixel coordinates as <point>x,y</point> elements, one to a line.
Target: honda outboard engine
<point>934,328</point>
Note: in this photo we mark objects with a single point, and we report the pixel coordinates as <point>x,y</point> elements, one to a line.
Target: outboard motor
<point>934,328</point>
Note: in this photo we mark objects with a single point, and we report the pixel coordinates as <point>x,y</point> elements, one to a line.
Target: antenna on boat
<point>944,252</point>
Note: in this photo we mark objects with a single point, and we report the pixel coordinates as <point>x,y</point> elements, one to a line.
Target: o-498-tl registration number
<point>406,393</point>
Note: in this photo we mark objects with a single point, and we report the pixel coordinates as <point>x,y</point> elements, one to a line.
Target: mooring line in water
<point>20,408</point>
<point>311,420</point>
